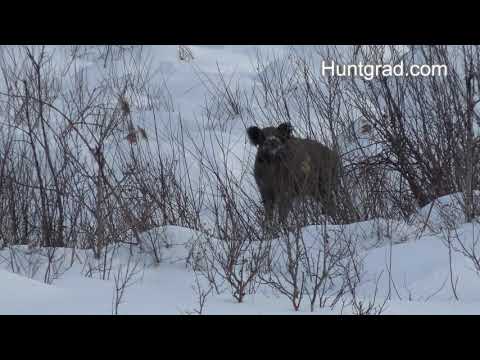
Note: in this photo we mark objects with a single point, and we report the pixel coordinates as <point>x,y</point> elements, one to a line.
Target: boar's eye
<point>285,130</point>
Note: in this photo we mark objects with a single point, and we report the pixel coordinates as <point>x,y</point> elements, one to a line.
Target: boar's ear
<point>255,135</point>
<point>285,130</point>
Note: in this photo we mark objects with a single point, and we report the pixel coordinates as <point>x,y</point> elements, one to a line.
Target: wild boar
<point>289,168</point>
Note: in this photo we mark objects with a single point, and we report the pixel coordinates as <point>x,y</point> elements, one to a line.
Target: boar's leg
<point>268,201</point>
<point>284,208</point>
<point>330,205</point>
<point>327,198</point>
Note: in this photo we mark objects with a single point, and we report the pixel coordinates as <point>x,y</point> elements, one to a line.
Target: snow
<point>419,282</point>
<point>420,273</point>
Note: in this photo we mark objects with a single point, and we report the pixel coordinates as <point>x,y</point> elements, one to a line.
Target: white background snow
<point>420,265</point>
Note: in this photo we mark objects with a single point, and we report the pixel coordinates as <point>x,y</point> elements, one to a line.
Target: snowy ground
<point>420,281</point>
<point>420,278</point>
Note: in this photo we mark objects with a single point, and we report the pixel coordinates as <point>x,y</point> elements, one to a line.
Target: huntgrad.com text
<point>369,71</point>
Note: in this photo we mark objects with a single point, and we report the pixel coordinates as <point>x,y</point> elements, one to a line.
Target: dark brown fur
<point>287,168</point>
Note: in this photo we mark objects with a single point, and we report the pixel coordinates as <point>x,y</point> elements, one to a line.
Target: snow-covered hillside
<point>406,268</point>
<point>419,283</point>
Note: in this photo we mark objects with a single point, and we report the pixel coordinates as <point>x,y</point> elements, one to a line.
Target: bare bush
<point>466,242</point>
<point>312,262</point>
<point>202,295</point>
<point>185,53</point>
<point>82,170</point>
<point>46,264</point>
<point>125,276</point>
<point>233,254</point>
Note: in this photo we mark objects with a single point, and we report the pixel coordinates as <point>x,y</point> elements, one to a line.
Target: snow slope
<point>419,282</point>
<point>420,278</point>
